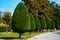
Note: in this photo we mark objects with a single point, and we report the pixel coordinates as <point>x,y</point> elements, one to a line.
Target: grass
<point>12,35</point>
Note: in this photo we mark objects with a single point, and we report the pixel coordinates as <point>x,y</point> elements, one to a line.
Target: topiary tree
<point>52,24</point>
<point>21,19</point>
<point>57,24</point>
<point>48,22</point>
<point>37,23</point>
<point>32,23</point>
<point>43,23</point>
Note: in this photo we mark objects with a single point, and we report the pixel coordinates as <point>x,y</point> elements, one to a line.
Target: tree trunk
<point>20,35</point>
<point>7,30</point>
<point>47,30</point>
<point>30,32</point>
<point>41,30</point>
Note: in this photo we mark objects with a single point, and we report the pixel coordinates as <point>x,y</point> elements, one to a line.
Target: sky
<point>57,1</point>
<point>10,5</point>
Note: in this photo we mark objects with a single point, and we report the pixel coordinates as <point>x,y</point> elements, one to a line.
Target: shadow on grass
<point>10,38</point>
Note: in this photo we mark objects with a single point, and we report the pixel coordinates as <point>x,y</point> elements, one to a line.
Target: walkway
<point>47,36</point>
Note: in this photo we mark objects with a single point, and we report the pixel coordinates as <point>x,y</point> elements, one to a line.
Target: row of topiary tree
<point>24,21</point>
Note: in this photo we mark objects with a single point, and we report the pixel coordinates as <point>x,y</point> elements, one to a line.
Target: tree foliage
<point>56,14</point>
<point>7,17</point>
<point>43,22</point>
<point>52,24</point>
<point>48,22</point>
<point>32,22</point>
<point>38,7</point>
<point>21,19</point>
<point>37,23</point>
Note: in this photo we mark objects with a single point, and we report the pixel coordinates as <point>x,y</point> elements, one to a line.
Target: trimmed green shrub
<point>32,22</point>
<point>2,29</point>
<point>37,23</point>
<point>57,24</point>
<point>43,23</point>
<point>21,19</point>
<point>52,24</point>
<point>48,22</point>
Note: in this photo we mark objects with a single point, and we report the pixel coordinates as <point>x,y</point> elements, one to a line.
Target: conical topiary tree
<point>43,23</point>
<point>48,22</point>
<point>32,22</point>
<point>21,19</point>
<point>37,23</point>
<point>57,24</point>
<point>52,24</point>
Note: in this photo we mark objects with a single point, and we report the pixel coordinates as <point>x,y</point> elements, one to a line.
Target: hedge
<point>43,22</point>
<point>32,22</point>
<point>48,22</point>
<point>3,29</point>
<point>37,23</point>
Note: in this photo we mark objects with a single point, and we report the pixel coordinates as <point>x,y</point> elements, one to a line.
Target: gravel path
<point>47,36</point>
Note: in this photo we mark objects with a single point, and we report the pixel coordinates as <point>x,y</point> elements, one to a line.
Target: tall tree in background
<point>56,14</point>
<point>38,7</point>
<point>7,19</point>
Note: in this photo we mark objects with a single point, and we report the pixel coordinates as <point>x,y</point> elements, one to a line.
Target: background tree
<point>38,7</point>
<point>7,17</point>
<point>56,14</point>
<point>21,19</point>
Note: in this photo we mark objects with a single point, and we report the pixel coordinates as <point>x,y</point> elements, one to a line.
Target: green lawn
<point>12,35</point>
